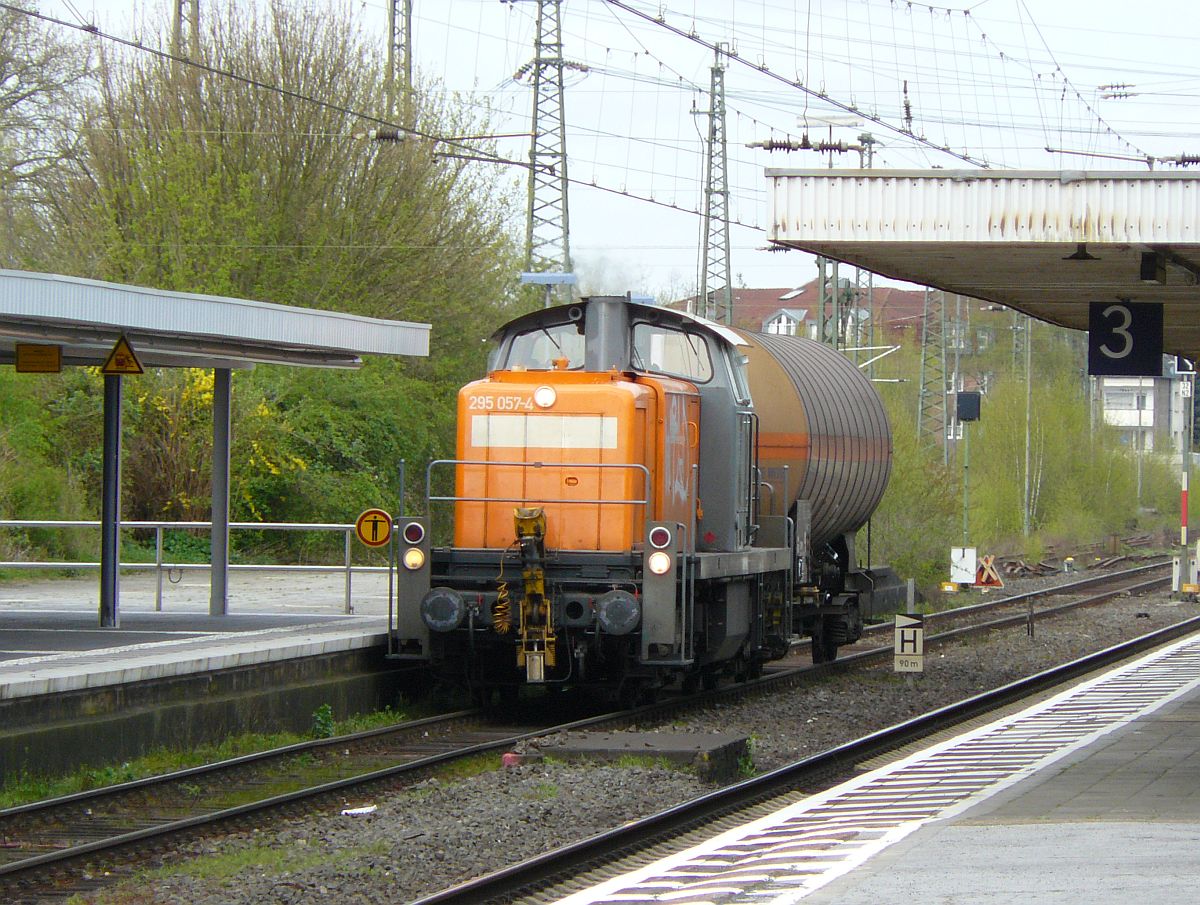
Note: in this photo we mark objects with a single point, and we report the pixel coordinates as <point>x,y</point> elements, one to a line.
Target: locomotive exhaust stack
<point>684,498</point>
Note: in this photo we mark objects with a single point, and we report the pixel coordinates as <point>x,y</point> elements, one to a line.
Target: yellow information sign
<point>121,360</point>
<point>35,358</point>
<point>374,527</point>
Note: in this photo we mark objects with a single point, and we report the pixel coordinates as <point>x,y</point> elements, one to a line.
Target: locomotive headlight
<point>544,397</point>
<point>659,562</point>
<point>414,558</point>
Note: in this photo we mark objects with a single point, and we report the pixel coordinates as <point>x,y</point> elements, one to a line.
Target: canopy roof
<point>1043,242</point>
<point>180,329</point>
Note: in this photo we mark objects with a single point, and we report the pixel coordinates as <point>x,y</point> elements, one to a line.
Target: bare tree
<point>39,77</point>
<point>258,185</point>
<point>263,186</point>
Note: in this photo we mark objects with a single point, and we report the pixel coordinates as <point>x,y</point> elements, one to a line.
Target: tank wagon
<point>643,497</point>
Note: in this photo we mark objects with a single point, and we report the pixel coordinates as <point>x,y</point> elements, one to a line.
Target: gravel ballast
<point>436,834</point>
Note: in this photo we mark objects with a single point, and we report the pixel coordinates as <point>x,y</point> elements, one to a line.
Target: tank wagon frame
<point>642,497</point>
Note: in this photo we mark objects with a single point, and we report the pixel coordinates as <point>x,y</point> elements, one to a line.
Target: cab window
<point>741,383</point>
<point>557,346</point>
<point>676,353</point>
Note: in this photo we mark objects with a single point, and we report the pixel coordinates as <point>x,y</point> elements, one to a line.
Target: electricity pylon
<point>931,404</point>
<point>716,287</point>
<point>399,59</point>
<point>547,224</point>
<point>185,15</point>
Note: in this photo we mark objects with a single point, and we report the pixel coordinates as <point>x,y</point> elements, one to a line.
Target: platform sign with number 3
<point>1125,339</point>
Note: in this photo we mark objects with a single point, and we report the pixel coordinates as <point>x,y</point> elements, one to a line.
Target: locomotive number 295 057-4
<point>500,403</point>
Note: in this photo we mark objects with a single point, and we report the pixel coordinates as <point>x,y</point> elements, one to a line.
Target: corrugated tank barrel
<point>820,416</point>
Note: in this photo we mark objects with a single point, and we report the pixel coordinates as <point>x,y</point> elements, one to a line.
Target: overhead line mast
<point>932,423</point>
<point>400,45</point>
<point>547,221</point>
<point>716,286</point>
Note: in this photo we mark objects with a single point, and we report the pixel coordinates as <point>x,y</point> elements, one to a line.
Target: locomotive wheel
<point>628,694</point>
<point>508,694</point>
<point>481,696</point>
<point>824,646</point>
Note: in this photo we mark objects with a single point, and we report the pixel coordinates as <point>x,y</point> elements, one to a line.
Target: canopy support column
<point>110,506</point>
<point>218,604</point>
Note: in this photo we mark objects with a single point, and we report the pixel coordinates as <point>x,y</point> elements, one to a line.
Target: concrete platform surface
<point>1116,823</point>
<point>1092,796</point>
<point>51,640</point>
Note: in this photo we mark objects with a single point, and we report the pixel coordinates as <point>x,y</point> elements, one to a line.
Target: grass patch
<point>647,762</point>
<point>468,768</point>
<point>746,768</point>
<point>26,788</point>
<point>262,858</point>
<point>265,857</point>
<point>543,791</point>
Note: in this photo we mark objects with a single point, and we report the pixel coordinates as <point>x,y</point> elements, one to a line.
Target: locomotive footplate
<point>755,561</point>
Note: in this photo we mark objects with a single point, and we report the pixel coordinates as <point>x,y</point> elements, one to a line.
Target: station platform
<point>51,641</point>
<point>1090,796</point>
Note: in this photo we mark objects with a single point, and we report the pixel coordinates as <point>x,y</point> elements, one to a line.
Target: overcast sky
<point>996,82</point>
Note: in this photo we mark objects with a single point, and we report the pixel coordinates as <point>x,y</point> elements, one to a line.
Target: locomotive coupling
<point>537,646</point>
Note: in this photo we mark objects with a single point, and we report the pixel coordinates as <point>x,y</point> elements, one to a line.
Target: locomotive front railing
<point>432,498</point>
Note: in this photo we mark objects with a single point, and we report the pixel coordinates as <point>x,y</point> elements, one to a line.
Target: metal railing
<point>537,466</point>
<point>161,567</point>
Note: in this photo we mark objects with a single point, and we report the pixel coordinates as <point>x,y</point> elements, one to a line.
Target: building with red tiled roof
<point>756,309</point>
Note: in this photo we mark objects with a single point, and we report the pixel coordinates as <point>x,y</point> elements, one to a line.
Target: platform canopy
<point>1046,243</point>
<point>87,321</point>
<point>182,329</point>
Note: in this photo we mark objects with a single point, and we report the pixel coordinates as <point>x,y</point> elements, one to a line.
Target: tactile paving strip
<point>781,858</point>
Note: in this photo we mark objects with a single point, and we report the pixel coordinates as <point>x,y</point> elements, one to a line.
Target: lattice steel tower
<point>716,287</point>
<point>931,403</point>
<point>547,224</point>
<point>399,60</point>
<point>185,17</point>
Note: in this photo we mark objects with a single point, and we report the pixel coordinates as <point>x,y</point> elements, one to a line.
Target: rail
<point>161,567</point>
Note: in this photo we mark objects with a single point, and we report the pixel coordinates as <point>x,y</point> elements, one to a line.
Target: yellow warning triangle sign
<point>121,360</point>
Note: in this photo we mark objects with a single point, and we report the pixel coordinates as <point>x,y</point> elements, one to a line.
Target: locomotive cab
<point>609,526</point>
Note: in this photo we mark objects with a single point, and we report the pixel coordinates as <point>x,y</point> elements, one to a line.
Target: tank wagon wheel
<point>691,683</point>
<point>628,694</point>
<point>710,679</point>
<point>824,645</point>
<point>747,668</point>
<point>481,695</point>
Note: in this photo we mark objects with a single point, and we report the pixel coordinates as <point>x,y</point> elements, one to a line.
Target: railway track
<point>558,873</point>
<point>46,847</point>
<point>1085,591</point>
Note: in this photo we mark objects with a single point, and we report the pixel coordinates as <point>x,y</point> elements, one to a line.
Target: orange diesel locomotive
<point>642,497</point>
